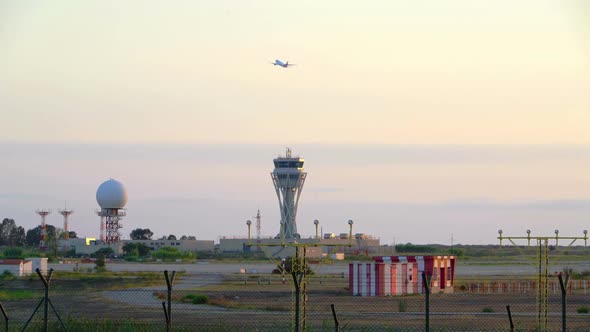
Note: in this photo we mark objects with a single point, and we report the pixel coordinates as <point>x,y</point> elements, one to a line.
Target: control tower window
<point>288,164</point>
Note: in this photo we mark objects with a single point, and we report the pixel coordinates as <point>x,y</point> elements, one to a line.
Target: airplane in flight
<point>282,64</point>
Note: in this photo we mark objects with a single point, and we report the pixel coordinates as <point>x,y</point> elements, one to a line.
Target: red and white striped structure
<point>398,275</point>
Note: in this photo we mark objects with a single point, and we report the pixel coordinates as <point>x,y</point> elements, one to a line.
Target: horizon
<point>185,203</point>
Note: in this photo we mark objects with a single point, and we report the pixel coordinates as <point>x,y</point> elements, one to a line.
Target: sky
<point>457,118</point>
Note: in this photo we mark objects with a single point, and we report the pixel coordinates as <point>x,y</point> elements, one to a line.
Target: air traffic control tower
<point>288,178</point>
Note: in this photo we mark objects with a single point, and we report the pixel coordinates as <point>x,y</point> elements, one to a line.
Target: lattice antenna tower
<point>43,213</point>
<point>66,213</point>
<point>258,224</point>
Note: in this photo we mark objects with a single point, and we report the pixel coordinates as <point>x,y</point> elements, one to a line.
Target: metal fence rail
<point>264,303</point>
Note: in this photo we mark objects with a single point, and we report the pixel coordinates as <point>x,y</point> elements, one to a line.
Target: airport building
<point>399,275</point>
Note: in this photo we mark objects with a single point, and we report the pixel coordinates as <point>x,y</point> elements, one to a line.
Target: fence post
<point>563,286</point>
<point>510,318</point>
<point>47,300</point>
<point>168,310</point>
<point>5,315</point>
<point>336,328</point>
<point>426,282</point>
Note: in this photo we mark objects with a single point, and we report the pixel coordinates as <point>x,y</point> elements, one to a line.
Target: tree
<point>72,235</point>
<point>290,261</point>
<point>52,240</point>
<point>10,234</point>
<point>33,235</point>
<point>100,262</point>
<point>16,253</point>
<point>141,234</point>
<point>136,249</point>
<point>105,252</point>
<point>171,237</point>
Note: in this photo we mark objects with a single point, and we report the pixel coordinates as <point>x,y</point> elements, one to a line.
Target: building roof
<point>12,261</point>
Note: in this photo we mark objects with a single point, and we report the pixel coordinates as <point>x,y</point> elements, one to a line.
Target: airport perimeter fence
<point>256,302</point>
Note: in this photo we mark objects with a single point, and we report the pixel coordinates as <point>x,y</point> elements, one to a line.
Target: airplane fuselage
<point>281,63</point>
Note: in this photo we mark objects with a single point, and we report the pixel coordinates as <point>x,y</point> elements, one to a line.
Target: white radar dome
<point>111,194</point>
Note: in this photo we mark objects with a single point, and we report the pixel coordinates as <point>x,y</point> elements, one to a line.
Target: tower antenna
<point>43,213</point>
<point>258,224</point>
<point>66,213</point>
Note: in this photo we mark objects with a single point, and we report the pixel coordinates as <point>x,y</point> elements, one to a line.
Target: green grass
<point>196,298</point>
<point>18,294</point>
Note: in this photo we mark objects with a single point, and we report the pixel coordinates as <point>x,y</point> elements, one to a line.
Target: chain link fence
<point>251,302</point>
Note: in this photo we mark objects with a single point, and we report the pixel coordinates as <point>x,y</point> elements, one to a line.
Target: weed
<point>402,305</point>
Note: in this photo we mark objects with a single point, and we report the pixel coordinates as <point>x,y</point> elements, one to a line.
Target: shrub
<point>13,252</point>
<point>197,298</point>
<point>200,299</point>
<point>402,305</point>
<point>583,310</point>
<point>487,309</point>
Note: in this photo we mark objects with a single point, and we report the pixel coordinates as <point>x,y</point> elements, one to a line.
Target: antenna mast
<point>43,213</point>
<point>258,224</point>
<point>66,213</point>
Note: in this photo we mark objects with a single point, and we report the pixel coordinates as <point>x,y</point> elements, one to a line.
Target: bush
<point>171,253</point>
<point>197,298</point>
<point>583,310</point>
<point>487,309</point>
<point>402,305</point>
<point>13,252</point>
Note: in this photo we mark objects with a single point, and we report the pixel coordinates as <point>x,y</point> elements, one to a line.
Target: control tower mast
<point>288,178</point>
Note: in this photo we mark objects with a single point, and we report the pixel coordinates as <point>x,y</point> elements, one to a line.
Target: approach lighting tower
<point>542,258</point>
<point>288,178</point>
<point>43,213</point>
<point>299,268</point>
<point>66,213</point>
<point>112,197</point>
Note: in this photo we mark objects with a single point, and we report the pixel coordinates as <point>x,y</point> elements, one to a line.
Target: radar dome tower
<point>288,178</point>
<point>112,197</point>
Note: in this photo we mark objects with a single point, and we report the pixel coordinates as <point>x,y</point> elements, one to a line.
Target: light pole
<point>316,223</point>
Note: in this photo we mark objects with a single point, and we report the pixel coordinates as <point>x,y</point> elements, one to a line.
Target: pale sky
<point>444,112</point>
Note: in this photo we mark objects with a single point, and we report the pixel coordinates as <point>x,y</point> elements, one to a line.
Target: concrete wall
<point>181,245</point>
<point>84,246</point>
<point>327,245</point>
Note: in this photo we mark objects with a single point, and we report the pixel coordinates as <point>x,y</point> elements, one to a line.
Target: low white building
<point>38,263</point>
<point>17,267</point>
